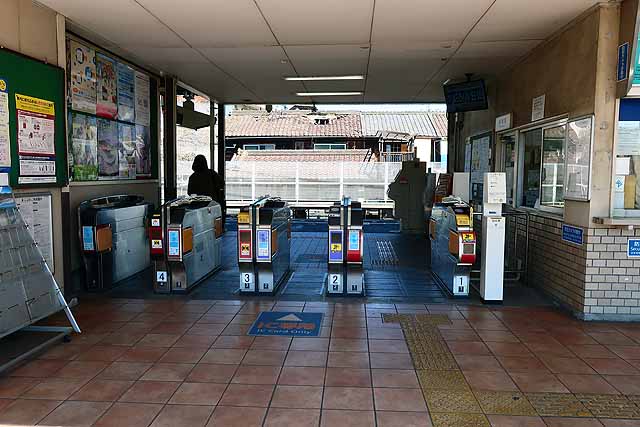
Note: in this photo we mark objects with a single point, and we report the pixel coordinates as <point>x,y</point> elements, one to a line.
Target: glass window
<point>552,193</point>
<point>626,185</point>
<point>531,168</point>
<point>509,162</point>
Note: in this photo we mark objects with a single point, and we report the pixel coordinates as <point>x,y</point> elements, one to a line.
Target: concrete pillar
<point>170,139</point>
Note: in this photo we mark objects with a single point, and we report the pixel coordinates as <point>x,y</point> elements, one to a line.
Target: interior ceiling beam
<point>366,75</point>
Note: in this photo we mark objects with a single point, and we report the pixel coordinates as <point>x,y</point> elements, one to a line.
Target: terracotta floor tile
<point>549,349</point>
<point>403,419</point>
<point>198,394</point>
<point>538,382</point>
<point>567,365</point>
<point>399,378</point>
<point>231,416</point>
<point>104,353</point>
<point>586,384</point>
<point>211,373</point>
<point>168,372</point>
<point>206,329</point>
<point>514,421</point>
<point>491,381</point>
<point>172,328</point>
<point>236,330</point>
<point>626,384</point>
<point>39,368</point>
<point>618,423</point>
<point>571,422</point>
<point>183,355</point>
<point>390,361</point>
<point>611,338</point>
<point>24,412</point>
<point>306,358</point>
<point>247,374</point>
<point>195,341</point>
<point>346,359</point>
<point>150,392</point>
<point>348,377</point>
<point>348,332</point>
<point>68,351</point>
<point>102,390</point>
<point>332,418</point>
<point>129,414</point>
<point>271,343</point>
<point>54,389</point>
<point>478,363</point>
<point>12,387</point>
<point>597,351</point>
<point>4,403</point>
<point>459,335</point>
<point>224,356</point>
<point>159,340</point>
<point>143,354</point>
<point>310,344</point>
<point>385,334</point>
<point>183,415</point>
<point>70,414</point>
<point>508,349</point>
<point>627,352</point>
<point>296,396</point>
<point>612,367</point>
<point>348,344</point>
<point>468,347</point>
<point>233,341</point>
<point>294,375</point>
<point>522,364</point>
<point>247,395</point>
<point>82,370</point>
<point>279,417</point>
<point>360,399</point>
<point>264,357</point>
<point>124,371</point>
<point>399,399</point>
<point>387,346</point>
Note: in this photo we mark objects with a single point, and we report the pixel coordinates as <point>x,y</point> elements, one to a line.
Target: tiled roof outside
<point>302,155</point>
<point>347,125</point>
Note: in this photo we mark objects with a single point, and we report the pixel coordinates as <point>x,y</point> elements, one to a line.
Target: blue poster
<point>572,234</point>
<point>633,248</point>
<point>335,245</point>
<point>354,240</point>
<point>126,100</point>
<point>263,245</point>
<point>174,242</point>
<point>87,238</point>
<point>287,324</point>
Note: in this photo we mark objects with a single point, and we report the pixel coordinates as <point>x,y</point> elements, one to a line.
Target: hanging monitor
<point>467,96</point>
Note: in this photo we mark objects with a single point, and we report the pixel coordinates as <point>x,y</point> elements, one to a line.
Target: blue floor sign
<point>287,324</point>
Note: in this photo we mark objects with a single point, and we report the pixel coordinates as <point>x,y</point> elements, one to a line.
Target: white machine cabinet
<point>493,236</point>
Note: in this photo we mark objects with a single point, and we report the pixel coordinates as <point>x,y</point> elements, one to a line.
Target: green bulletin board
<point>33,78</point>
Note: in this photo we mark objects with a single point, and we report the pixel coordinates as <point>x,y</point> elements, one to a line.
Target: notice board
<point>34,100</point>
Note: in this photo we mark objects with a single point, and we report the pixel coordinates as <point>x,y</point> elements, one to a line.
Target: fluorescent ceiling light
<point>320,78</point>
<point>328,93</point>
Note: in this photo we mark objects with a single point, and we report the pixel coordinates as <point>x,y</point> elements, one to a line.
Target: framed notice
<point>36,213</point>
<point>578,159</point>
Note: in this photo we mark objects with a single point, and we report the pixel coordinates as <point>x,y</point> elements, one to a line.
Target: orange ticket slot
<point>187,240</point>
<point>104,239</point>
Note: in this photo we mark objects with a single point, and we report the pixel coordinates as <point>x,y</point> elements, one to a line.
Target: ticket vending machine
<point>113,239</point>
<point>345,249</point>
<point>185,240</point>
<point>453,245</point>
<point>264,245</point>
<point>493,236</point>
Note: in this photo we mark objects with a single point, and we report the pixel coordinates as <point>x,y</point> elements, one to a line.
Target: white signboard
<point>142,92</point>
<point>628,139</point>
<point>503,122</point>
<point>36,212</point>
<point>537,108</point>
<point>5,145</point>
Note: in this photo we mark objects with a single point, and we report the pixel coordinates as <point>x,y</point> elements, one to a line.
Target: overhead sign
<point>290,324</point>
<point>572,234</point>
<point>633,248</point>
<point>623,61</point>
<point>503,122</point>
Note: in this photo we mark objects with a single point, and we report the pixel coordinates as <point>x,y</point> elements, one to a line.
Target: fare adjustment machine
<point>493,235</point>
<point>346,248</point>
<point>264,245</point>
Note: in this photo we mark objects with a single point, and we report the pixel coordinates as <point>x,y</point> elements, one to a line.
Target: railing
<point>396,157</point>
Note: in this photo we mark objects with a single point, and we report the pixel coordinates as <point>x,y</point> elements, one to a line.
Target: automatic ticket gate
<point>345,249</point>
<point>453,245</point>
<point>113,239</point>
<point>185,243</point>
<point>264,245</point>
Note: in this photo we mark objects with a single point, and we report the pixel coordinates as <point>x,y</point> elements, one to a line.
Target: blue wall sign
<point>623,61</point>
<point>354,240</point>
<point>633,248</point>
<point>291,324</point>
<point>263,245</point>
<point>87,239</point>
<point>174,242</point>
<point>572,234</point>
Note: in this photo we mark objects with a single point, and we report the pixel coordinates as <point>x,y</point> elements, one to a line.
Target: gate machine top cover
<point>113,238</point>
<point>191,226</point>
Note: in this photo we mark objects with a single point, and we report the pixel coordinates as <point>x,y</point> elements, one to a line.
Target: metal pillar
<point>212,134</point>
<point>170,137</point>
<point>221,158</point>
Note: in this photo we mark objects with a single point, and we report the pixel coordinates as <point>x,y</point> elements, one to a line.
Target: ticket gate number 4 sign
<point>287,324</point>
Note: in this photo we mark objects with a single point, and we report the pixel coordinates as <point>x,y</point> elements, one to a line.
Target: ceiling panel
<point>121,21</point>
<point>526,19</point>
<point>420,20</point>
<point>167,55</point>
<point>252,61</point>
<point>214,23</point>
<point>328,60</point>
<point>319,22</point>
<point>412,64</point>
<point>502,49</point>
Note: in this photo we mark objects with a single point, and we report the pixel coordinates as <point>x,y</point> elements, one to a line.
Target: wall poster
<point>36,139</point>
<point>143,151</point>
<point>107,105</point>
<point>126,93</point>
<point>142,92</point>
<point>83,77</point>
<point>5,138</point>
<point>127,151</point>
<point>578,158</point>
<point>84,147</point>
<point>107,149</point>
<point>480,156</point>
<point>36,213</point>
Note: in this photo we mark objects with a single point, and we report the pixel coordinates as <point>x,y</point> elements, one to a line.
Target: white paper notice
<point>142,92</point>
<point>5,147</point>
<point>4,108</point>
<point>36,212</point>
<point>37,167</point>
<point>35,134</point>
<point>537,108</point>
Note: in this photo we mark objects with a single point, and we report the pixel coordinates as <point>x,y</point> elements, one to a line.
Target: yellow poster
<point>336,247</point>
<point>35,105</point>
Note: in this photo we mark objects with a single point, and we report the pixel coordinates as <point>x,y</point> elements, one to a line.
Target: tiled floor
<point>178,362</point>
